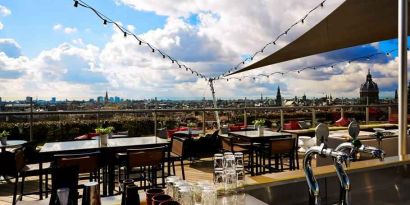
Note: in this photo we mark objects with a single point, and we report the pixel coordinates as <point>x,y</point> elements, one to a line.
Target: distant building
<point>117,99</point>
<point>100,99</point>
<point>53,100</point>
<point>369,91</point>
<point>106,98</point>
<point>111,99</point>
<point>278,98</point>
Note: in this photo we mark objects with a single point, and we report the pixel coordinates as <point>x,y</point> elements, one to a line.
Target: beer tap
<point>352,148</point>
<point>322,134</point>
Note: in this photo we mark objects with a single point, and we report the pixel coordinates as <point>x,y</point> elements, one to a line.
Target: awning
<point>355,22</point>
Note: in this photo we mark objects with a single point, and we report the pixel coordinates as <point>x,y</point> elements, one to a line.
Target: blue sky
<point>49,48</point>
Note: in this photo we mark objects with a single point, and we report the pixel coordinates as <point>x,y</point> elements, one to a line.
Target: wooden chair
<point>146,162</point>
<point>64,177</point>
<point>279,149</point>
<point>177,153</point>
<point>89,162</point>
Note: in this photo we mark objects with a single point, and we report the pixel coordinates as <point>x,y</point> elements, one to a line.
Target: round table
<point>12,144</point>
<point>186,132</point>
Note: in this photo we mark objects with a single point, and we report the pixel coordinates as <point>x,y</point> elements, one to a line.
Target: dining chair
<point>177,153</point>
<point>35,165</point>
<point>12,164</point>
<point>234,144</point>
<point>64,177</point>
<point>279,149</point>
<point>88,163</point>
<point>146,163</point>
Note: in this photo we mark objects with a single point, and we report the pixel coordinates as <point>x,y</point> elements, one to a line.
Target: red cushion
<point>82,137</point>
<point>342,122</point>
<point>291,125</point>
<point>233,128</point>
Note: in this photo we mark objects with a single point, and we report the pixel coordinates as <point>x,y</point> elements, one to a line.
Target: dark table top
<point>51,147</point>
<point>254,134</point>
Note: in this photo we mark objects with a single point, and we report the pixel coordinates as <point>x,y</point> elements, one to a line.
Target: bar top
<point>323,171</point>
<point>93,144</point>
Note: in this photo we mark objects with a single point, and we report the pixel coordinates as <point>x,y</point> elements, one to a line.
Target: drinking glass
<point>230,180</point>
<point>185,196</point>
<point>240,173</point>
<point>177,185</point>
<point>229,162</point>
<point>170,181</point>
<point>218,161</point>
<point>209,196</point>
<point>62,195</point>
<point>219,180</point>
<point>239,159</point>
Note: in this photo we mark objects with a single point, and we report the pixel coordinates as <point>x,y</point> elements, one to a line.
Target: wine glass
<point>62,194</point>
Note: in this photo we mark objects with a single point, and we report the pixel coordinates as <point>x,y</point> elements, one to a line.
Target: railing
<point>244,110</point>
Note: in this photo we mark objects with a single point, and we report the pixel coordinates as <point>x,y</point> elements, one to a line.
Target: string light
<point>301,20</point>
<point>328,65</point>
<point>106,20</point>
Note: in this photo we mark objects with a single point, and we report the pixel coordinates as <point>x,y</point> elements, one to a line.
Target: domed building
<point>369,91</point>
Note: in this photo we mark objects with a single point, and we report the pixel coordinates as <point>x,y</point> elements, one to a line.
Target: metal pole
<point>155,117</point>
<point>342,113</point>
<point>388,113</point>
<point>402,41</point>
<point>203,122</point>
<point>367,115</point>
<point>313,117</point>
<point>281,119</point>
<point>31,118</point>
<point>211,85</point>
<point>245,115</point>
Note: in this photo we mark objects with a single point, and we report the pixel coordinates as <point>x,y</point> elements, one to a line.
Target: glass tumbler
<point>230,180</point>
<point>218,161</point>
<point>239,159</point>
<point>185,196</point>
<point>229,162</point>
<point>209,196</point>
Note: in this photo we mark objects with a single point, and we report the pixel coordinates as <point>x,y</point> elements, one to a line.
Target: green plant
<point>191,124</point>
<point>4,134</point>
<point>260,122</point>
<point>104,131</point>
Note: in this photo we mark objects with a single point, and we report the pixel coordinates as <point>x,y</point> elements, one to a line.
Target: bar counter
<point>389,177</point>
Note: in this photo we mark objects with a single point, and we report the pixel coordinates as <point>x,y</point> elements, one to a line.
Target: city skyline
<point>81,58</point>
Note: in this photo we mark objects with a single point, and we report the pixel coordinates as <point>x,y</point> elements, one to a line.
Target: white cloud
<point>1,26</point>
<point>222,32</point>
<point>4,11</point>
<point>67,30</point>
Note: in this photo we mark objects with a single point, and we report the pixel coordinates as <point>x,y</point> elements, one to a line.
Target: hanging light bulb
<point>75,3</point>
<point>105,22</point>
<point>140,42</point>
<point>163,56</point>
<point>173,61</point>
<point>303,21</point>
<point>179,66</point>
<point>227,79</point>
<point>125,34</point>
<point>387,54</point>
<point>153,50</point>
<point>322,4</point>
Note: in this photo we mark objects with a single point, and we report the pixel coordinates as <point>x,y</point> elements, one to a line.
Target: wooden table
<point>115,145</point>
<point>253,137</point>
<point>12,144</point>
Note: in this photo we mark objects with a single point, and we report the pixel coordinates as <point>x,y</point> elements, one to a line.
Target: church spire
<point>278,97</point>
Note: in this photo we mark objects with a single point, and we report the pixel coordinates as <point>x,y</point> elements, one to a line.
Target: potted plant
<point>190,126</point>
<point>260,125</point>
<point>3,137</point>
<point>103,133</point>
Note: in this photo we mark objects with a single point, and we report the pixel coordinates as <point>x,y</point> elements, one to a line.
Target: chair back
<point>64,177</point>
<point>145,157</point>
<point>86,162</point>
<point>177,146</point>
<point>282,145</point>
<point>12,162</point>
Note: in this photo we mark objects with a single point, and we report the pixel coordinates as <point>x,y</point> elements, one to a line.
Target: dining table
<point>12,144</point>
<point>254,137</point>
<point>114,145</point>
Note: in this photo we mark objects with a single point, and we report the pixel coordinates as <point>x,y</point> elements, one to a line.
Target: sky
<point>50,49</point>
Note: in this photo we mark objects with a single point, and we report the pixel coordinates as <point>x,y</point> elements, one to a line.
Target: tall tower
<point>278,98</point>
<point>106,98</point>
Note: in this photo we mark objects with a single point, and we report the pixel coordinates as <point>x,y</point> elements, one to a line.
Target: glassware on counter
<point>218,161</point>
<point>209,196</point>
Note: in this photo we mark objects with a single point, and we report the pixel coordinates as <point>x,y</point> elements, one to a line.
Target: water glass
<point>219,180</point>
<point>240,173</point>
<point>177,185</point>
<point>229,162</point>
<point>185,196</point>
<point>209,196</point>
<point>239,159</point>
<point>170,181</point>
<point>218,161</point>
<point>230,180</point>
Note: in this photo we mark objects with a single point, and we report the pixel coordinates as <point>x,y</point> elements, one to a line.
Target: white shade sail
<point>355,22</point>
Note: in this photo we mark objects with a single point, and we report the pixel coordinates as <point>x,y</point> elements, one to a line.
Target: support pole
<point>313,117</point>
<point>282,120</point>
<point>367,115</point>
<point>31,119</point>
<point>402,72</point>
<point>245,115</point>
<point>155,117</point>
<point>211,85</point>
